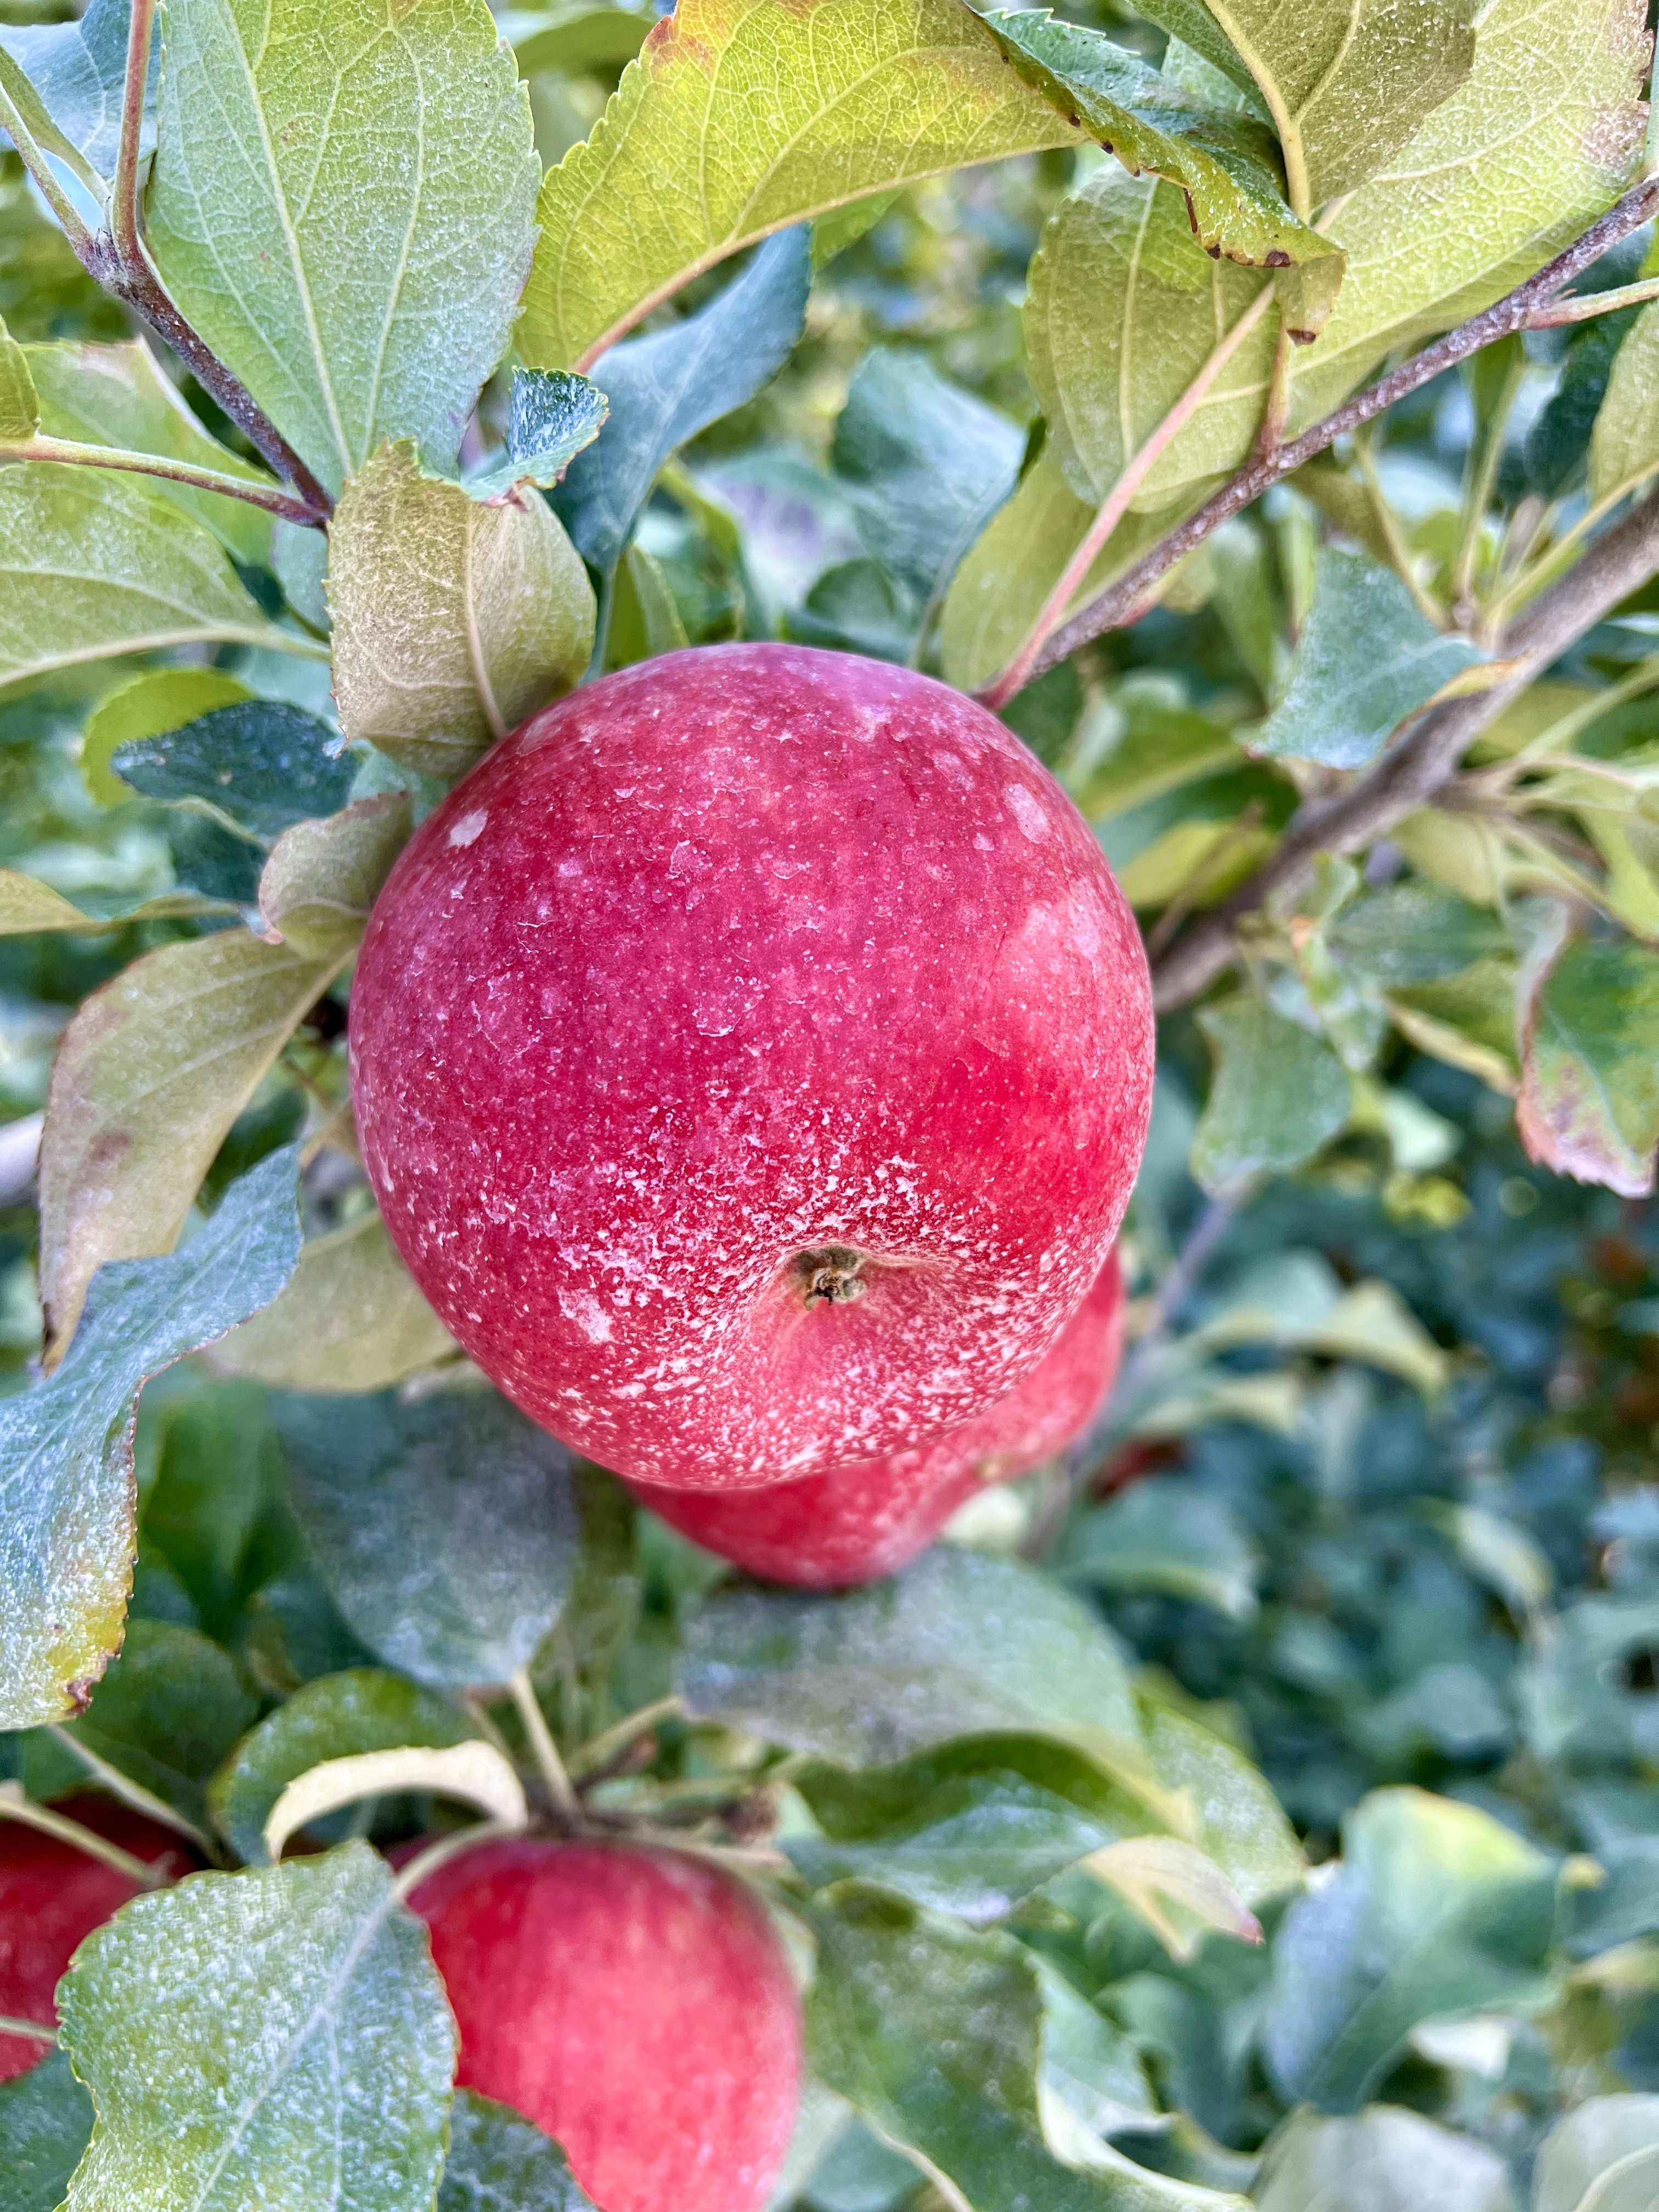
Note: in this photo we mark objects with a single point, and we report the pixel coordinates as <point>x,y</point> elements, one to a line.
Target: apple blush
<point>636,2004</point>
<point>857,1523</point>
<point>752,1059</point>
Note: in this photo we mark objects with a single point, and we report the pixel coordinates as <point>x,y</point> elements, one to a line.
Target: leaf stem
<point>134,1793</point>
<point>269,496</point>
<point>15,1806</point>
<point>426,1863</point>
<point>36,2029</point>
<point>79,238</point>
<point>124,203</point>
<point>1020,670</point>
<point>1584,305</point>
<point>543,1748</point>
<point>1124,599</point>
<point>594,1757</point>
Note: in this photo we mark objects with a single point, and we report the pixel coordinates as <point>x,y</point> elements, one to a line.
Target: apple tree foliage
<point>1259,407</point>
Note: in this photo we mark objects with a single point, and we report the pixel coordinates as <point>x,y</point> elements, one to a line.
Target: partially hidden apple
<point>53,1894</point>
<point>633,2002</point>
<point>752,1059</point>
<point>856,1523</point>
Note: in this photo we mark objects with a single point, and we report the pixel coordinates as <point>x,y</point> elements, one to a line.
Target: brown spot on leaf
<point>1275,258</point>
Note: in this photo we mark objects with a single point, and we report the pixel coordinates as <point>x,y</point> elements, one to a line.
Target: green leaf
<point>446,1529</point>
<point>161,699</point>
<point>1413,933</point>
<point>936,2035</point>
<point>1122,313</point>
<point>969,1827</point>
<point>1564,431</point>
<point>1347,81</point>
<point>1590,2155</point>
<point>1436,1907</point>
<point>777,115</point>
<point>93,565</point>
<point>117,395</point>
<point>665,388</point>
<point>1224,164</point>
<point>1590,1076</point>
<point>149,1078</point>
<point>1278,1094</point>
<point>262,763</point>
<point>574,38</point>
<point>1166,1534</point>
<point>1237,1821</point>
<point>342,206</point>
<point>931,464</point>
<point>336,1716</point>
<point>1624,447</point>
<point>1453,223</point>
<point>498,2160</point>
<point>961,1642</point>
<point>66,1469</point>
<point>1368,658</point>
<point>455,618</point>
<point>46,2118</point>
<point>322,878</point>
<point>20,403</point>
<point>350,1319</point>
<point>78,70</point>
<point>551,416</point>
<point>1387,2159</point>
<point>166,1713</point>
<point>276,2034</point>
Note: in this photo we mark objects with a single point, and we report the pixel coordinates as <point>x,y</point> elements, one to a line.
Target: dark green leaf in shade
<point>1436,1907</point>
<point>551,416</point>
<point>1166,1534</point>
<point>1278,1094</point>
<point>665,388</point>
<point>447,1528</point>
<point>264,764</point>
<point>499,2161</point>
<point>935,2034</point>
<point>275,2036</point>
<point>962,1641</point>
<point>45,2119</point>
<point>167,1713</point>
<point>67,1533</point>
<point>931,464</point>
<point>1558,441</point>
<point>336,1716</point>
<point>1367,659</point>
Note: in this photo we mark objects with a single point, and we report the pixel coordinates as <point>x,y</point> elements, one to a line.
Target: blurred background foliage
<point>1377,1500</point>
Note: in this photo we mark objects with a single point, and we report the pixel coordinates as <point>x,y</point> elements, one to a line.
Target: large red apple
<point>635,2003</point>
<point>856,1523</point>
<point>752,1059</point>
<point>51,1895</point>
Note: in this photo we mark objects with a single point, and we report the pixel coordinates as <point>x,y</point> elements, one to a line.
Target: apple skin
<point>53,1895</point>
<point>636,2004</point>
<point>855,1523</point>
<point>752,1059</point>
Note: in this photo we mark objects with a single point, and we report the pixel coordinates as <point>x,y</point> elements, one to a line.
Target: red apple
<point>752,1059</point>
<point>857,1523</point>
<point>635,2003</point>
<point>51,1895</point>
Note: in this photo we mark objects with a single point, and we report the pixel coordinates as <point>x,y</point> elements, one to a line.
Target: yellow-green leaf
<point>149,1075</point>
<point>454,617</point>
<point>323,877</point>
<point>20,404</point>
<point>741,116</point>
<point>1625,443</point>
<point>351,1320</point>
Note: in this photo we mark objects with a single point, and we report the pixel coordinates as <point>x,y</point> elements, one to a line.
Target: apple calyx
<point>831,1275</point>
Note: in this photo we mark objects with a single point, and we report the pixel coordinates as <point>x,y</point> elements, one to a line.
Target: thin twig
<point>22,138</point>
<point>269,496</point>
<point>545,1753</point>
<point>36,2029</point>
<point>124,201</point>
<point>426,1863</point>
<point>1121,602</point>
<point>134,1793</point>
<point>1584,305</point>
<point>1413,770</point>
<point>593,1757</point>
<point>15,1806</point>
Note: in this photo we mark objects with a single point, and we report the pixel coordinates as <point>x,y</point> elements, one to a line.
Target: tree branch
<point>1123,601</point>
<point>124,203</point>
<point>1411,771</point>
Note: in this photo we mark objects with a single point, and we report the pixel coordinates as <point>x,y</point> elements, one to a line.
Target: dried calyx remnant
<point>829,1275</point>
